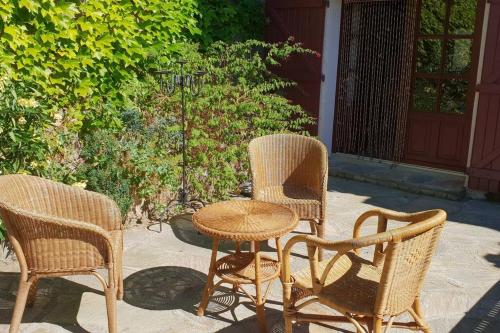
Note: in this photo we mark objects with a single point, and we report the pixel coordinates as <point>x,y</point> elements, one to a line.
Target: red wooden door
<point>304,21</point>
<point>484,170</point>
<point>445,67</point>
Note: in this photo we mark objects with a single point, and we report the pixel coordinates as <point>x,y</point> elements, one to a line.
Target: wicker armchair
<point>366,291</point>
<point>291,170</point>
<point>58,230</point>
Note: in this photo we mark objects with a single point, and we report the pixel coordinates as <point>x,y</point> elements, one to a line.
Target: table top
<point>245,220</point>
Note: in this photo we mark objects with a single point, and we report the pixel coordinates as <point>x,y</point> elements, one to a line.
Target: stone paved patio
<point>165,273</point>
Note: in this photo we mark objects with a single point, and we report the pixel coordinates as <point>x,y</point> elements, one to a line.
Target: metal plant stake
<point>189,83</point>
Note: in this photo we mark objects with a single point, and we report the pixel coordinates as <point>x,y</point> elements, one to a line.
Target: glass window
<point>432,17</point>
<point>424,95</point>
<point>454,96</point>
<point>462,17</point>
<point>428,55</point>
<point>458,56</point>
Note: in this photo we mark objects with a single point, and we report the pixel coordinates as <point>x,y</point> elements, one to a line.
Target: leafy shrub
<point>23,124</point>
<point>241,100</point>
<point>136,162</point>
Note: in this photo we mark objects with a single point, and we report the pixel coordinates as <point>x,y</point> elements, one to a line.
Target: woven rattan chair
<point>366,291</point>
<point>291,170</point>
<point>58,230</point>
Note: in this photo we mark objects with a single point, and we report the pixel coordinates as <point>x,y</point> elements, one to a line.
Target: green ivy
<point>80,52</point>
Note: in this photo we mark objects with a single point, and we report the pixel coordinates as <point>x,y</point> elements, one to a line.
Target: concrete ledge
<point>414,179</point>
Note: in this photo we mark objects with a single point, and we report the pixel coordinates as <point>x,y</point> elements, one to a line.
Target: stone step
<point>410,178</point>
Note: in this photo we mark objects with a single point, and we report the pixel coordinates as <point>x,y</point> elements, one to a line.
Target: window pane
<point>458,56</point>
<point>462,16</point>
<point>454,96</point>
<point>424,95</point>
<point>432,17</point>
<point>428,56</point>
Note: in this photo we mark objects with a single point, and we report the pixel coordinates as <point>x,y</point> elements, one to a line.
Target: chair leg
<point>32,293</point>
<point>110,295</point>
<point>377,325</point>
<point>288,324</point>
<point>22,297</point>
<point>418,315</point>
<point>287,305</point>
<point>321,234</point>
<point>120,291</point>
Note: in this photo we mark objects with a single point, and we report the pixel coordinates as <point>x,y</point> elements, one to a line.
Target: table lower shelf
<point>239,268</point>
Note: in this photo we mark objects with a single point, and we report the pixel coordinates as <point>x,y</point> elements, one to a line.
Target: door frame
<point>329,67</point>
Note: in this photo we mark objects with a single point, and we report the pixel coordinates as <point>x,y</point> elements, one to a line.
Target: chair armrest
<point>383,216</point>
<point>341,247</point>
<point>44,240</point>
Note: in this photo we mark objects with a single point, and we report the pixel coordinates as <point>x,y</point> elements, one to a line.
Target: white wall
<point>329,69</point>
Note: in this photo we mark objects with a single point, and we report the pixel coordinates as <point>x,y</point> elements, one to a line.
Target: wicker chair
<point>366,291</point>
<point>58,230</point>
<point>291,170</point>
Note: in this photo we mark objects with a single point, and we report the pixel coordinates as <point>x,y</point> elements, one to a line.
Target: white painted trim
<point>484,33</point>
<point>330,57</point>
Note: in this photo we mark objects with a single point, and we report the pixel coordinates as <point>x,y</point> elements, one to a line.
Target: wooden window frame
<point>442,75</point>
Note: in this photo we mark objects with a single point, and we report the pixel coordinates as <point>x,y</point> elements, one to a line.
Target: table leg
<point>261,318</point>
<point>210,280</point>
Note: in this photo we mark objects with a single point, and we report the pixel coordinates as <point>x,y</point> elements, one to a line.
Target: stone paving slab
<point>166,272</point>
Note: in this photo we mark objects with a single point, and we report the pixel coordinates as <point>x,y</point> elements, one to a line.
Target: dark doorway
<point>374,78</point>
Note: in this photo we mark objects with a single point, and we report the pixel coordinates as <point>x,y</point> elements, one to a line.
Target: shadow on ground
<point>275,324</point>
<point>472,212</point>
<point>58,301</point>
<point>484,316</point>
<point>165,288</point>
<point>174,287</point>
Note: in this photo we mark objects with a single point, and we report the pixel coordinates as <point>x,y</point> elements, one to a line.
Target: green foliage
<point>136,162</point>
<point>79,52</point>
<point>102,171</point>
<point>24,120</point>
<point>229,20</point>
<point>241,100</point>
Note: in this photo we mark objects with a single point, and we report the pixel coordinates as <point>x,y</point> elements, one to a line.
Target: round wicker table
<point>242,221</point>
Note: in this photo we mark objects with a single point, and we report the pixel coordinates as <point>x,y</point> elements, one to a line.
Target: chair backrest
<point>28,193</point>
<point>407,259</point>
<point>282,159</point>
<point>26,203</point>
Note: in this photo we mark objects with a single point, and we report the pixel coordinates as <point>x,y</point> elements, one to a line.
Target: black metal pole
<point>181,80</point>
<point>183,106</point>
